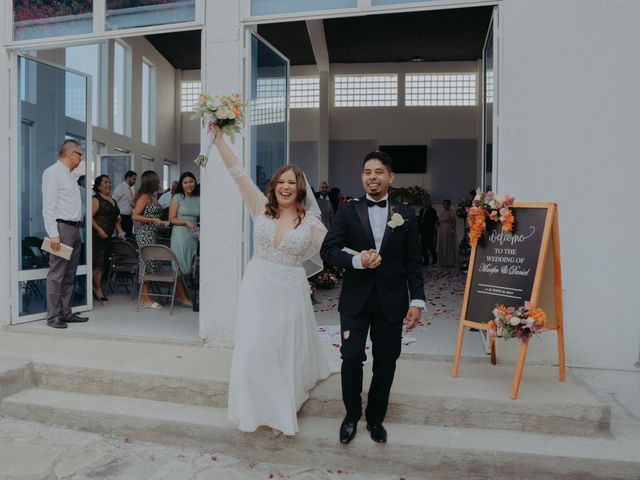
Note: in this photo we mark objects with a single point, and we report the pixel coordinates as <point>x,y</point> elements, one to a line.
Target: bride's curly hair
<point>271,209</point>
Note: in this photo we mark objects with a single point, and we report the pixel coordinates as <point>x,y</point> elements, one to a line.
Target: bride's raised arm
<point>253,198</point>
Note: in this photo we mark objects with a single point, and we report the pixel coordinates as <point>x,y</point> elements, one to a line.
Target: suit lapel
<point>363,214</point>
<point>393,208</point>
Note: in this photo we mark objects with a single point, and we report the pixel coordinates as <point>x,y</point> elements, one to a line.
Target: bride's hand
<point>216,132</point>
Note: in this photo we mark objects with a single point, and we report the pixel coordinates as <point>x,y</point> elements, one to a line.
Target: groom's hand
<point>370,258</point>
<point>412,318</point>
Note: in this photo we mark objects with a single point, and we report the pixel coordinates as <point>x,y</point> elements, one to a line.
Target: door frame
<point>17,275</point>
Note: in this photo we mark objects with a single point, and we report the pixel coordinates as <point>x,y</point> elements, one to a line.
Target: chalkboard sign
<point>511,269</point>
<point>504,265</point>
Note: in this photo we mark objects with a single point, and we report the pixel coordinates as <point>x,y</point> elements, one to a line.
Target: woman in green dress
<point>184,214</point>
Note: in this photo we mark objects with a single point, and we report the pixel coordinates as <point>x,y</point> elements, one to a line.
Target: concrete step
<point>15,375</point>
<point>432,452</point>
<point>423,394</point>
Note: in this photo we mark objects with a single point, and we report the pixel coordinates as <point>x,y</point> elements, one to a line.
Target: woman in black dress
<point>105,218</point>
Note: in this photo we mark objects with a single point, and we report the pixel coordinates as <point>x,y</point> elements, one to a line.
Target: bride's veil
<point>312,262</point>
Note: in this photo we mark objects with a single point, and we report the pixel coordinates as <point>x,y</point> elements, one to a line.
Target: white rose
<point>222,112</point>
<point>514,320</point>
<point>396,221</point>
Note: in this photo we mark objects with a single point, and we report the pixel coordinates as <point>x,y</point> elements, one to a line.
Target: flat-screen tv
<point>407,158</point>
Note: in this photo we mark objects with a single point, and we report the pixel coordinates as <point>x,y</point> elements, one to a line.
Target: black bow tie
<point>381,203</point>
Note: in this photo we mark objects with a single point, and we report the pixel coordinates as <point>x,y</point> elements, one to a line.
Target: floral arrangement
<point>325,280</point>
<point>462,207</point>
<point>224,111</point>
<point>486,205</point>
<point>397,220</point>
<point>521,322</point>
<point>415,195</point>
<point>37,9</point>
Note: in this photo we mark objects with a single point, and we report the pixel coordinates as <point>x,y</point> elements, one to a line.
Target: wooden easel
<point>550,245</point>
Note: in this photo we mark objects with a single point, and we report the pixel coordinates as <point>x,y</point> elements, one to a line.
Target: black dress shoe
<point>56,323</point>
<point>73,318</point>
<point>378,433</point>
<point>348,430</point>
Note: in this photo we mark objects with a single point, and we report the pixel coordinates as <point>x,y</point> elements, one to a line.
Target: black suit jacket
<point>397,280</point>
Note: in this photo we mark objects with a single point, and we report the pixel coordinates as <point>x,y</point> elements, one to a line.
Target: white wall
<point>164,147</point>
<point>385,125</point>
<point>568,116</point>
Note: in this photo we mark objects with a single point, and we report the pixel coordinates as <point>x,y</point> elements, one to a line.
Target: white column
<point>221,206</point>
<point>323,126</point>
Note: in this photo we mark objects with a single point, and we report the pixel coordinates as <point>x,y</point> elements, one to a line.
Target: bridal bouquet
<point>521,322</point>
<point>224,111</point>
<point>487,206</point>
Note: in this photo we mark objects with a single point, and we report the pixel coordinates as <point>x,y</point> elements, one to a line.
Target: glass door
<point>269,113</point>
<point>267,116</point>
<point>53,105</point>
<point>489,105</point>
<point>115,166</point>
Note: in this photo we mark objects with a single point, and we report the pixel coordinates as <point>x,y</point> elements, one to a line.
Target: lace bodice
<point>294,245</point>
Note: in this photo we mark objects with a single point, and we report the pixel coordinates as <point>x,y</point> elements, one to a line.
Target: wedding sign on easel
<point>511,268</point>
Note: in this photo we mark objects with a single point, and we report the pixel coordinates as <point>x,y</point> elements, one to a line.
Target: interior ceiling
<point>181,49</point>
<point>439,35</point>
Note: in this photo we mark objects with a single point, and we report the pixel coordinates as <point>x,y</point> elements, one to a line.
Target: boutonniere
<point>397,220</point>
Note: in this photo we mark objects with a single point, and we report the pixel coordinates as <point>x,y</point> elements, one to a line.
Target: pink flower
<point>473,210</point>
<point>493,216</point>
<point>504,211</point>
<point>489,196</point>
<point>509,200</point>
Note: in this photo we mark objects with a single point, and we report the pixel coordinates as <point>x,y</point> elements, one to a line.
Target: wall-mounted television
<point>407,158</point>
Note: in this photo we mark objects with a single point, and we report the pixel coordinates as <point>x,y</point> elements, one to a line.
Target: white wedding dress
<point>278,355</point>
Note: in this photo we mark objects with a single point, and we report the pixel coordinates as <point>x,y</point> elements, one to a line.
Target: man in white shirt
<point>123,195</point>
<point>62,214</point>
<point>165,198</point>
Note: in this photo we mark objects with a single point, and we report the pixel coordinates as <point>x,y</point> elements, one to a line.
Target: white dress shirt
<point>378,220</point>
<point>60,197</point>
<point>165,199</point>
<point>123,195</point>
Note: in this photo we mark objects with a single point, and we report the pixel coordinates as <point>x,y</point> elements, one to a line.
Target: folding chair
<point>169,274</point>
<point>123,261</point>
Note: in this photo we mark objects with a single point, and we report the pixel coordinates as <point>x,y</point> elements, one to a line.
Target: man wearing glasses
<point>62,213</point>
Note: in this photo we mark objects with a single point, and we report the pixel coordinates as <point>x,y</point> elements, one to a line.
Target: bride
<point>278,355</point>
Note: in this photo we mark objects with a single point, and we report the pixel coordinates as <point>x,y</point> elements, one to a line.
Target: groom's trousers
<point>386,339</point>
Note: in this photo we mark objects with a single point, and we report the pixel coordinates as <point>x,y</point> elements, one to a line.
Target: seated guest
<point>184,213</point>
<point>105,217</point>
<point>146,214</point>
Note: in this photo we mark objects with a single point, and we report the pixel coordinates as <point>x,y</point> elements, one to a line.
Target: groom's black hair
<point>385,158</point>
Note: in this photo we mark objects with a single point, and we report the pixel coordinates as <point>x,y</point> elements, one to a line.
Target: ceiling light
<point>417,58</point>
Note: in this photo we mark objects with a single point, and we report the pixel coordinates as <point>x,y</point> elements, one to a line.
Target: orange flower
<point>476,226</point>
<point>538,316</point>
<point>507,221</point>
<point>503,309</point>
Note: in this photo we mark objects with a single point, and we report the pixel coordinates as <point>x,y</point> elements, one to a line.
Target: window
<point>305,92</point>
<point>148,93</point>
<point>442,90</point>
<point>121,88</point>
<point>121,14</point>
<point>88,59</point>
<point>165,175</point>
<point>366,90</point>
<point>270,104</point>
<point>189,95</point>
<point>489,86</point>
<point>51,19</point>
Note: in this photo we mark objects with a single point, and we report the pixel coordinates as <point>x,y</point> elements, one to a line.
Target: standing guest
<point>428,227</point>
<point>123,195</point>
<point>146,214</point>
<point>165,198</point>
<point>184,214</point>
<point>447,237</point>
<point>383,288</point>
<point>326,209</point>
<point>62,214</point>
<point>105,218</point>
<point>335,197</point>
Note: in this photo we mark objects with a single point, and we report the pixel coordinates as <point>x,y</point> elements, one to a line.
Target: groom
<point>382,289</point>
